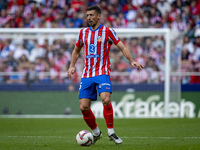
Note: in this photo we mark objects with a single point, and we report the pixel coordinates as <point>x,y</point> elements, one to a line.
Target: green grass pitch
<point>137,134</point>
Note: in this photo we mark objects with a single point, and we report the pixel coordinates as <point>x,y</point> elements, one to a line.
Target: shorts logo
<point>108,85</point>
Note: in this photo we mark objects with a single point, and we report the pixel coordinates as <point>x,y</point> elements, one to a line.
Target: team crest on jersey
<point>99,38</point>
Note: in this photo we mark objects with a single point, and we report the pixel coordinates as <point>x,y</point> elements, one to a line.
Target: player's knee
<point>106,101</point>
<point>84,108</point>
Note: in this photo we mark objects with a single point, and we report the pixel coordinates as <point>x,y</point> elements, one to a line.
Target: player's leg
<point>107,111</point>
<point>88,115</point>
<point>89,118</point>
<point>105,89</point>
<point>108,115</point>
<point>87,93</point>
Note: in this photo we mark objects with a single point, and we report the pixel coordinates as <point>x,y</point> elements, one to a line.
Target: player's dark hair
<point>94,7</point>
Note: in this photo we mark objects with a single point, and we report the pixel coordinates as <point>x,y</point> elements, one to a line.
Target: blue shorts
<point>89,86</point>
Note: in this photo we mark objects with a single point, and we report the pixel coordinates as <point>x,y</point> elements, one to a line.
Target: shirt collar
<point>96,28</point>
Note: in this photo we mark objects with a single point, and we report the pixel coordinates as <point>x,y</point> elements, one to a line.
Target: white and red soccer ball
<point>84,138</point>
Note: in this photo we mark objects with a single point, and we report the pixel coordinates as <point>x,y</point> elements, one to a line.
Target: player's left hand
<point>137,65</point>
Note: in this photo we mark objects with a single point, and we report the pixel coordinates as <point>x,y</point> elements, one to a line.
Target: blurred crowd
<point>48,61</point>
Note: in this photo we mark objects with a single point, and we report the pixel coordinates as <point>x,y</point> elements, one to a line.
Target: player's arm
<point>74,57</point>
<point>129,56</point>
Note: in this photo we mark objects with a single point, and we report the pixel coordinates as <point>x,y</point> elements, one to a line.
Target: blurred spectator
<point>54,72</point>
<point>77,4</point>
<point>163,6</point>
<point>195,7</point>
<point>31,75</point>
<point>138,3</point>
<point>138,76</point>
<point>158,24</point>
<point>188,44</point>
<point>185,54</point>
<point>186,15</point>
<point>195,79</point>
<point>77,22</point>
<point>131,14</point>
<point>6,69</point>
<point>174,32</point>
<point>3,4</point>
<point>39,65</point>
<point>173,12</point>
<point>112,12</point>
<point>49,18</point>
<point>117,66</point>
<point>134,47</point>
<point>14,6</point>
<point>16,77</point>
<point>141,58</point>
<point>5,50</point>
<point>44,76</point>
<point>161,64</point>
<point>1,77</point>
<point>61,59</point>
<point>197,39</point>
<point>179,24</point>
<point>20,50</point>
<point>37,51</point>
<point>150,65</point>
<point>45,44</point>
<point>147,7</point>
<point>120,21</point>
<point>155,16</point>
<point>154,75</point>
<point>190,30</point>
<point>148,47</point>
<point>3,17</point>
<point>23,63</point>
<point>11,60</point>
<point>195,56</point>
<point>29,44</point>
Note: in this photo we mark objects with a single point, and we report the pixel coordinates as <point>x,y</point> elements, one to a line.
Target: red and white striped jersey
<point>96,45</point>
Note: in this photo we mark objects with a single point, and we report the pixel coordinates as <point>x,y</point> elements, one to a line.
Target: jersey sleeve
<point>113,36</point>
<point>79,41</point>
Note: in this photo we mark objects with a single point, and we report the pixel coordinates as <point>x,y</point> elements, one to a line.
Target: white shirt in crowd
<point>37,52</point>
<point>20,51</point>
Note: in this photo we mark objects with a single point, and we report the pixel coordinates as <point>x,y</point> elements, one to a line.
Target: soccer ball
<point>84,138</point>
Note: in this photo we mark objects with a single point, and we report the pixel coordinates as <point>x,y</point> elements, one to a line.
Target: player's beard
<point>92,24</point>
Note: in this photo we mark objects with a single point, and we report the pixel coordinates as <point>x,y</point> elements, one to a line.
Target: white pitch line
<point>121,137</point>
<point>60,137</point>
<point>161,137</point>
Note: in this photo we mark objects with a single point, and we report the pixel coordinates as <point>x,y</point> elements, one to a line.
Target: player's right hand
<point>70,72</point>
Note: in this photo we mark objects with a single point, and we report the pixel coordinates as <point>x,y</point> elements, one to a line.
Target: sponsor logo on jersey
<point>92,49</point>
<point>92,52</point>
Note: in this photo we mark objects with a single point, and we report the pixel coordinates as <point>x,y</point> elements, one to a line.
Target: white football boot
<point>113,137</point>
